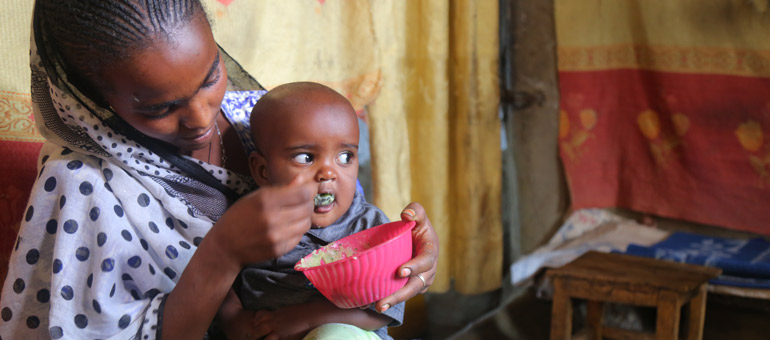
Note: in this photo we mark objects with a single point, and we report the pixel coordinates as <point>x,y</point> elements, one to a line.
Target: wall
<point>530,111</point>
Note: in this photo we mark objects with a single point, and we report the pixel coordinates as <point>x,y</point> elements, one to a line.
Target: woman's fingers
<point>286,212</point>
<point>412,288</point>
<point>424,262</point>
<point>425,243</point>
<point>299,192</point>
<point>267,222</point>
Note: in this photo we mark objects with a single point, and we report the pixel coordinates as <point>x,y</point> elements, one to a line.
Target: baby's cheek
<point>284,175</point>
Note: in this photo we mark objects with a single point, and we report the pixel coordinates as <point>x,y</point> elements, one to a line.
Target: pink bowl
<point>361,268</point>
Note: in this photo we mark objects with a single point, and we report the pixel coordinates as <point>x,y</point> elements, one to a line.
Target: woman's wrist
<point>188,311</point>
<point>216,248</point>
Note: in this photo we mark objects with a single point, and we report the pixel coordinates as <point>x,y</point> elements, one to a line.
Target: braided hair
<point>85,36</point>
<point>90,34</point>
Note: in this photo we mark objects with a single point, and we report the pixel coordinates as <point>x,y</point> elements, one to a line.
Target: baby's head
<point>307,129</point>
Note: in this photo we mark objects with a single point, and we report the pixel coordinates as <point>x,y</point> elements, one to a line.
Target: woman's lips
<point>203,137</point>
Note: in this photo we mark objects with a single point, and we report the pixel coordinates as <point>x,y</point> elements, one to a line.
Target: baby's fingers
<point>262,324</point>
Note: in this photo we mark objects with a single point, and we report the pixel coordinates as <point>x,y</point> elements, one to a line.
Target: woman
<point>126,234</point>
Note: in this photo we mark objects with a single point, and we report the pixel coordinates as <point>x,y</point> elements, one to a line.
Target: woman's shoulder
<point>64,174</point>
<point>57,157</point>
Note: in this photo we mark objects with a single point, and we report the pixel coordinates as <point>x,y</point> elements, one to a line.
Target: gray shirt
<point>274,284</point>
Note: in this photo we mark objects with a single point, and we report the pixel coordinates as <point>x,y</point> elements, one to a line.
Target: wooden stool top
<point>634,270</point>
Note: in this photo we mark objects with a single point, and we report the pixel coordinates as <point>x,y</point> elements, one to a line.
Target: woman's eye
<point>160,115</point>
<point>345,157</point>
<point>303,158</point>
<point>213,81</point>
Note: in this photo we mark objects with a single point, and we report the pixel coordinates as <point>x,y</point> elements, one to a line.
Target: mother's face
<point>172,90</point>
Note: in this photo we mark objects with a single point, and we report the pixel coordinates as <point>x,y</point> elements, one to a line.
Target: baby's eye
<point>345,157</point>
<point>303,158</point>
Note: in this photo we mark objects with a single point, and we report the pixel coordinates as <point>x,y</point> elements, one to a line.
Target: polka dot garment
<point>92,258</point>
<point>101,242</point>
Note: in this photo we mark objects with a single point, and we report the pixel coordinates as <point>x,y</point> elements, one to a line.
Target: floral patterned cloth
<point>237,108</point>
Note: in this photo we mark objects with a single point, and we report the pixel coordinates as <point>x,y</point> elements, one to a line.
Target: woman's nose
<point>197,115</point>
<point>325,174</point>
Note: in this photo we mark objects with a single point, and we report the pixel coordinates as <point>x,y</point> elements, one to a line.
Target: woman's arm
<point>262,225</point>
<point>424,263</point>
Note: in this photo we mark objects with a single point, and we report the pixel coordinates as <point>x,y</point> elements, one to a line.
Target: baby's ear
<point>258,168</point>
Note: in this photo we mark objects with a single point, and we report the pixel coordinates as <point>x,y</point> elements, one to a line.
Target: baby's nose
<point>325,175</point>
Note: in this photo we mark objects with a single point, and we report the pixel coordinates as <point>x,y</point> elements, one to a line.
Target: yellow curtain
<point>435,130</point>
<point>726,37</point>
<point>425,73</point>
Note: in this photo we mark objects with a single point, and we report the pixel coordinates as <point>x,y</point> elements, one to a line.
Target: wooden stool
<point>619,278</point>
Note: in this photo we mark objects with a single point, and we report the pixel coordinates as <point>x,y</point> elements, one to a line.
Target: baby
<point>312,132</point>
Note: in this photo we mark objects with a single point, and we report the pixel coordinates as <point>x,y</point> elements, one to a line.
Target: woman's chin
<point>189,148</point>
<point>197,143</point>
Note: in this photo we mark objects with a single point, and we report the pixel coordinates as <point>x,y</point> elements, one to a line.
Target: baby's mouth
<point>323,199</point>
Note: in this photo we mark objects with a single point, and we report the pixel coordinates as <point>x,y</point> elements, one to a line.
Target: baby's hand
<point>238,325</point>
<point>287,323</point>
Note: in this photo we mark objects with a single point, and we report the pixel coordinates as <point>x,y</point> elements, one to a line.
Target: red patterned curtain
<point>665,108</point>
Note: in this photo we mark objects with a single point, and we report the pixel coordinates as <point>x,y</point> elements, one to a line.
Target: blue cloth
<point>744,262</point>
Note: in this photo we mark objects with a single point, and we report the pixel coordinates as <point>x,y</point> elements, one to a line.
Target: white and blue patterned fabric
<point>237,107</point>
<point>744,262</point>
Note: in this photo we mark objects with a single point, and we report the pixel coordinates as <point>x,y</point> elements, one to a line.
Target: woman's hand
<point>266,223</point>
<point>421,269</point>
<point>262,225</point>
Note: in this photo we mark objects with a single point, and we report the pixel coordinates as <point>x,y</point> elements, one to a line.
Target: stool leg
<point>667,324</point>
<point>561,313</point>
<point>595,316</point>
<point>697,311</point>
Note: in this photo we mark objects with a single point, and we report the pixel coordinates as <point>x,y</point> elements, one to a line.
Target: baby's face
<point>318,141</point>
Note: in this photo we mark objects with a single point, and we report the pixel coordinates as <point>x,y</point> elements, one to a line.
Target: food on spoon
<point>322,200</point>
